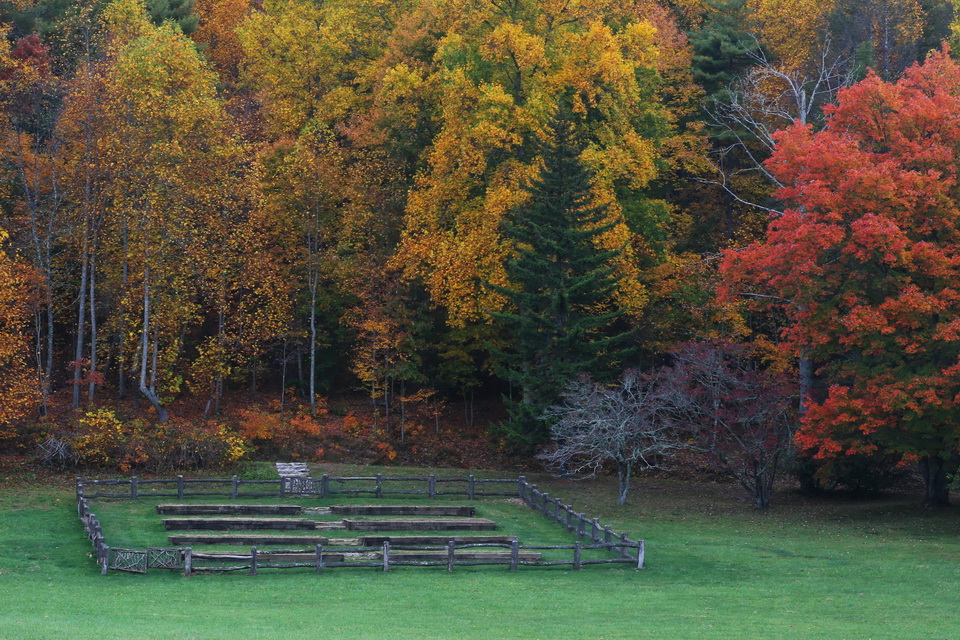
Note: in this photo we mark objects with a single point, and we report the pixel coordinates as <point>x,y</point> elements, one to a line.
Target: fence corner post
<point>576,556</point>
<point>188,562</point>
<point>521,484</point>
<point>105,561</point>
<point>641,553</point>
<point>514,553</point>
<point>325,485</point>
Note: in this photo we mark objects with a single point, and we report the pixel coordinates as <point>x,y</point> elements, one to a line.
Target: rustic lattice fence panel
<point>128,560</point>
<point>165,557</point>
<point>294,485</point>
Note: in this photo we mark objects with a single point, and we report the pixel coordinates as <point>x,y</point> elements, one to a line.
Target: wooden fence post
<point>569,518</point>
<point>188,562</point>
<point>607,534</point>
<point>283,487</point>
<point>253,561</point>
<point>641,552</point>
<point>319,558</point>
<point>325,486</point>
<point>470,487</point>
<point>133,487</point>
<point>546,500</point>
<point>105,562</point>
<point>521,487</point>
<point>514,553</point>
<point>595,530</point>
<point>180,487</point>
<point>432,486</point>
<point>576,556</point>
<point>624,539</point>
<point>386,555</point>
<point>234,488</point>
<point>379,484</point>
<point>450,545</point>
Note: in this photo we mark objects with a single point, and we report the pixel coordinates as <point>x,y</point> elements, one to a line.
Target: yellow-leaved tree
<point>19,388</point>
<point>171,155</point>
<point>502,71</point>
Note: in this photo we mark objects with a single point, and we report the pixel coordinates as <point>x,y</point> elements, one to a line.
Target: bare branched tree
<point>737,411</point>
<point>768,98</point>
<point>595,425</point>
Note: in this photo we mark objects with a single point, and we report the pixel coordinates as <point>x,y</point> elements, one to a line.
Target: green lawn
<point>826,568</point>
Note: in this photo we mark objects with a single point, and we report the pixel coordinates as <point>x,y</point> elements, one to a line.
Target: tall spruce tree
<point>560,325</point>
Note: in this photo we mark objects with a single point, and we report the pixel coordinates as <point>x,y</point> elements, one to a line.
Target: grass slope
<point>810,569</point>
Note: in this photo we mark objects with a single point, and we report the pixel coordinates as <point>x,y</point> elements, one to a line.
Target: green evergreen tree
<point>723,48</point>
<point>178,11</point>
<point>562,317</point>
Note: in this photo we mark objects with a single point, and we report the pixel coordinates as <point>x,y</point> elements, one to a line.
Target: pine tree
<point>562,285</point>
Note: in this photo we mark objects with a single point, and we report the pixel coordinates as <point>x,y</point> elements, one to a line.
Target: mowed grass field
<point>811,568</point>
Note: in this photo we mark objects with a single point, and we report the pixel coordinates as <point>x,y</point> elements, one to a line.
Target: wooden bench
<point>228,509</point>
<point>377,541</point>
<point>459,524</point>
<point>238,524</point>
<point>404,510</point>
<point>246,539</point>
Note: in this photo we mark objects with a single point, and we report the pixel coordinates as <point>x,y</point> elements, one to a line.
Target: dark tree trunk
<point>761,492</point>
<point>283,377</point>
<point>121,333</point>
<point>624,469</point>
<point>806,381</point>
<point>92,386</point>
<point>934,473</point>
<point>81,315</point>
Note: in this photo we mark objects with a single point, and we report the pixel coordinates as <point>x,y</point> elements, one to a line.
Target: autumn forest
<point>445,231</point>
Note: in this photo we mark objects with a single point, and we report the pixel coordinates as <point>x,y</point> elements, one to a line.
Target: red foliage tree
<point>865,261</point>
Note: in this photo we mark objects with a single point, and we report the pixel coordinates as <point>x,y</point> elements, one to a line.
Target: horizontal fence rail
<point>323,487</point>
<point>575,522</point>
<point>386,556</point>
<point>599,536</point>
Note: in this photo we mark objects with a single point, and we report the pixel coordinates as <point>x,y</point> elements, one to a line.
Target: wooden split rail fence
<point>325,486</point>
<point>583,526</point>
<point>386,557</point>
<point>599,536</point>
